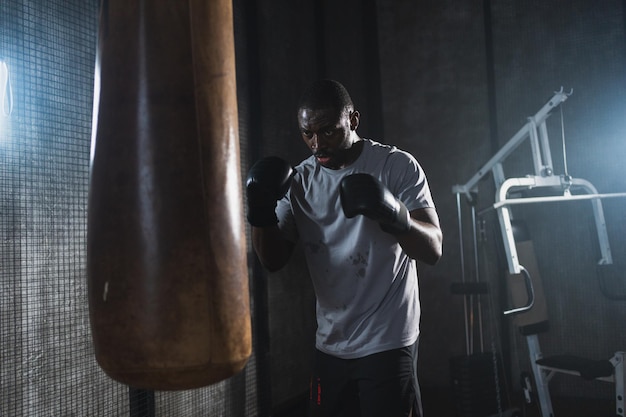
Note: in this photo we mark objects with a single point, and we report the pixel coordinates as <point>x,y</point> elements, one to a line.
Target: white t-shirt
<point>366,286</point>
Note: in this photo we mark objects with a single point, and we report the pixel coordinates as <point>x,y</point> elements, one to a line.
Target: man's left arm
<point>417,231</point>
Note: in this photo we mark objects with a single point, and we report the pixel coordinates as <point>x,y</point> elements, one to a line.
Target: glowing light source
<point>6,96</point>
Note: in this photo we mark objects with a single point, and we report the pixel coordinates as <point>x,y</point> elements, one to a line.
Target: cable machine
<point>559,188</point>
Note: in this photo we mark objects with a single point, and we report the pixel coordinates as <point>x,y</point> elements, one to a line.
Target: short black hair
<point>326,94</point>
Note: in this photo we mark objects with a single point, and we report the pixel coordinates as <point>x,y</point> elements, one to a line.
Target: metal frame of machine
<point>560,188</point>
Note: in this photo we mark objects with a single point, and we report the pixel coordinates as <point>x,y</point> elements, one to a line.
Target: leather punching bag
<point>167,265</point>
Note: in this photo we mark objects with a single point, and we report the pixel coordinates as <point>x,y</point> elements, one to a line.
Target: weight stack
<point>474,384</point>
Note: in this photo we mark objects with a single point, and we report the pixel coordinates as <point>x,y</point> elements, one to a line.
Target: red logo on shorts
<point>318,399</point>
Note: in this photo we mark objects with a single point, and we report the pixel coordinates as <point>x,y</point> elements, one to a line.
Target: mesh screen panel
<point>47,358</point>
<point>48,365</point>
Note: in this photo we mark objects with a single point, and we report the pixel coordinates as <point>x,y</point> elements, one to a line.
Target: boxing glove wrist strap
<point>402,223</point>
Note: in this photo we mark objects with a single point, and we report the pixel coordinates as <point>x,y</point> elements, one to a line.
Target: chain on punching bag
<point>167,272</point>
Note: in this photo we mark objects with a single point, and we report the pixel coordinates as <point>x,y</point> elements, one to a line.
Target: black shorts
<point>382,384</point>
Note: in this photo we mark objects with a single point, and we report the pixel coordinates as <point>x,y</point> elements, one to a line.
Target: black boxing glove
<point>268,181</point>
<point>363,194</point>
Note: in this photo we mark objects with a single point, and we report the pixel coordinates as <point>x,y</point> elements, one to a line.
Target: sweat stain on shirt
<point>360,262</point>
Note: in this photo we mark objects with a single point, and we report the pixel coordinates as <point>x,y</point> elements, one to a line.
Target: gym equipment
<point>523,275</point>
<point>167,259</point>
<point>533,322</point>
<point>478,378</point>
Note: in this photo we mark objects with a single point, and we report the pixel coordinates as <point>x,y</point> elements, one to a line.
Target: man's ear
<point>355,116</point>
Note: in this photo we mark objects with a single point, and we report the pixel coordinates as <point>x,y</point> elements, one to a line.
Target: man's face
<point>328,134</point>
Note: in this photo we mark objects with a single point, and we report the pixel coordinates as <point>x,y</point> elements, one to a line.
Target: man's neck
<point>353,153</point>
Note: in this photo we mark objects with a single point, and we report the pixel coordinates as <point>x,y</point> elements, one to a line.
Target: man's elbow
<point>274,260</point>
<point>272,266</point>
<point>433,256</point>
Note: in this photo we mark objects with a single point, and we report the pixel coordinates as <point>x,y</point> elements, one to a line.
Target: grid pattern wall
<point>48,366</point>
<point>47,359</point>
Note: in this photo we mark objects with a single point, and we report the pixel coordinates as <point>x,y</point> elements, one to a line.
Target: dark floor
<point>440,403</point>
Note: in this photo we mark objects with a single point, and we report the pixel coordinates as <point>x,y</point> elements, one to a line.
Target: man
<point>364,214</point>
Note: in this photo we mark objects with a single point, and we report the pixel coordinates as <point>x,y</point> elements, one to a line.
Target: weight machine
<point>559,188</point>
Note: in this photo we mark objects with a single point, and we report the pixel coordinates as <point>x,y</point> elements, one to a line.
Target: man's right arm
<point>268,181</point>
<point>272,249</point>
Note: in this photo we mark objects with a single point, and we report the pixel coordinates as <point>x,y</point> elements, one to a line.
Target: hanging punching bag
<point>167,272</point>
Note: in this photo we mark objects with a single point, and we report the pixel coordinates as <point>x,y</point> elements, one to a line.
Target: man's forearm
<point>272,249</point>
<point>423,242</point>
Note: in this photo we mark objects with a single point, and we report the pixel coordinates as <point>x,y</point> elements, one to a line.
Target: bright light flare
<point>6,97</point>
